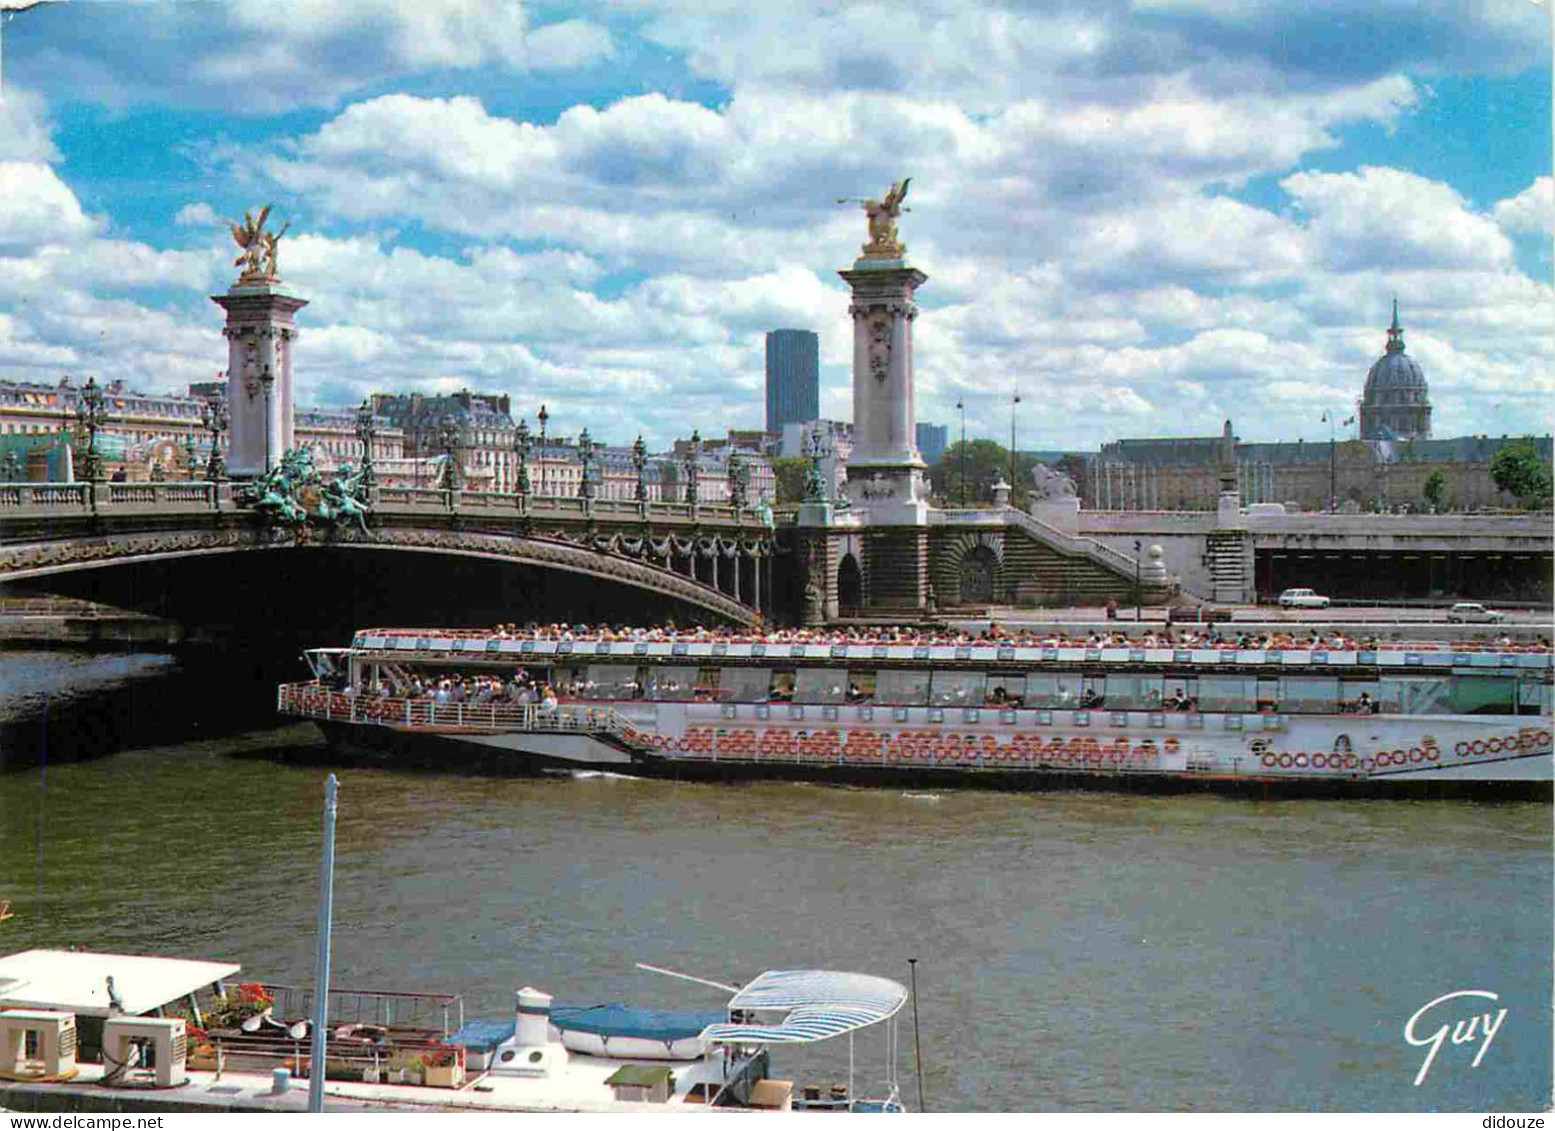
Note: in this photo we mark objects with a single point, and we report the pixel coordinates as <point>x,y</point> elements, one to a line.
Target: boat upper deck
<point>1026,650</point>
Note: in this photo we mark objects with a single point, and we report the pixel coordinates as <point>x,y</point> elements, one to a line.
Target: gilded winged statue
<point>258,258</point>
<point>882,220</point>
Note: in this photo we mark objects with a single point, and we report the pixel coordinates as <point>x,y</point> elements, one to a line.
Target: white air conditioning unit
<point>37,1044</point>
<point>144,1052</point>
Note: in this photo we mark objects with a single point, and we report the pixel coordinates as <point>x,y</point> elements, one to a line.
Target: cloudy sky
<point>1146,215</point>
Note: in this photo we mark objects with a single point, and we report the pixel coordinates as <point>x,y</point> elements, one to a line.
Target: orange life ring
<point>1461,750</point>
<point>1416,755</point>
<point>1320,761</point>
<point>1268,760</point>
<point>1300,760</point>
<point>1432,754</point>
<point>1351,762</point>
<point>1285,759</point>
<point>1493,744</point>
<point>1477,747</point>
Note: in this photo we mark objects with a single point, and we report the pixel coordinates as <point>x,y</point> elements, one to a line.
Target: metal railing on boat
<point>314,700</point>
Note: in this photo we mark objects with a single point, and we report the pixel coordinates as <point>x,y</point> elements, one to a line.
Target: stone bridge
<point>713,558</point>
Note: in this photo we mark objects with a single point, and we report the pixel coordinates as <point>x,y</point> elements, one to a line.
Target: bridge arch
<point>37,561</point>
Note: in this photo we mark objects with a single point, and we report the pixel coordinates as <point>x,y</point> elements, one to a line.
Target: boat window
<point>744,685</point>
<point>1005,690</point>
<point>1134,692</point>
<point>861,686</point>
<point>1181,691</point>
<point>1227,693</point>
<point>707,685</point>
<point>566,682</point>
<point>1427,695</point>
<point>610,681</point>
<point>1359,696</point>
<point>1061,690</point>
<point>821,685</point>
<point>1483,695</point>
<point>957,689</point>
<point>1534,697</point>
<point>672,684</point>
<point>1309,695</point>
<point>782,686</point>
<point>904,689</point>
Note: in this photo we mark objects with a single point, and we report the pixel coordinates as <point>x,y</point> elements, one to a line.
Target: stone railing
<point>19,499</point>
<point>1079,546</point>
<point>52,498</point>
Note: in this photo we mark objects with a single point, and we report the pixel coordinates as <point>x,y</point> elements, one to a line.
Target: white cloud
<point>1530,212</point>
<point>39,208</point>
<point>1379,216</point>
<point>197,215</point>
<point>24,127</point>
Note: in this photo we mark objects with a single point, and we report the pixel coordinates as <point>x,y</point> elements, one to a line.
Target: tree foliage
<point>1435,489</point>
<point>986,463</point>
<point>1519,470</point>
<point>789,472</point>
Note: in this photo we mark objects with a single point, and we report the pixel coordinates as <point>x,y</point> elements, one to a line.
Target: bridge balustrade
<point>70,496</point>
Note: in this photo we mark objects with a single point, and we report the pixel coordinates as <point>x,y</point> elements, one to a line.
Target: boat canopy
<point>77,981</point>
<point>815,1005</point>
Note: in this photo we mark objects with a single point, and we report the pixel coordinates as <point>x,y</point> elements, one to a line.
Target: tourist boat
<point>164,1030</point>
<point>1409,718</point>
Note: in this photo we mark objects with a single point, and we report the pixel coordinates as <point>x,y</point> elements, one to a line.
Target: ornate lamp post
<point>739,480</point>
<point>213,414</point>
<point>92,415</point>
<point>586,458</point>
<point>543,417</point>
<point>961,408</point>
<point>640,468</point>
<point>448,441</point>
<point>1015,401</point>
<point>365,432</point>
<point>11,468</point>
<point>1333,467</point>
<point>189,456</point>
<point>693,458</point>
<point>522,443</point>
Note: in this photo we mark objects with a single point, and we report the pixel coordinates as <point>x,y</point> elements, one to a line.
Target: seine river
<point>1075,952</point>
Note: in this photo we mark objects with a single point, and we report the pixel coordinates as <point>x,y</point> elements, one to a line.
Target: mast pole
<point>917,1047</point>
<point>326,918</point>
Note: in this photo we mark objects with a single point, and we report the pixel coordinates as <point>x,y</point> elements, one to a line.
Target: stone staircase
<point>1230,566</point>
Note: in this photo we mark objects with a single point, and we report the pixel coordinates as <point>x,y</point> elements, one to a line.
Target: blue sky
<point>1147,215</point>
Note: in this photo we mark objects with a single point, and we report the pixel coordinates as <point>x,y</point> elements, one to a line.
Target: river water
<point>1077,952</point>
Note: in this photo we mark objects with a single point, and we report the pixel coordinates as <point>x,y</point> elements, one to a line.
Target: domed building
<point>1395,404</point>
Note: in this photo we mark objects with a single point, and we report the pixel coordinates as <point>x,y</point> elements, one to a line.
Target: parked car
<point>1472,612</point>
<point>1302,599</point>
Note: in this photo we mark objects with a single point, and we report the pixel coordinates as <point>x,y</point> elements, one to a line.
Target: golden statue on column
<point>259,258</point>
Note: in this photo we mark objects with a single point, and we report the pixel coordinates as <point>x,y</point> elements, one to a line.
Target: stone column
<point>885,471</point>
<point>259,333</point>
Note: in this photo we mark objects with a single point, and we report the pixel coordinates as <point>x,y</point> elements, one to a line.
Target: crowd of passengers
<point>1024,637</point>
<point>522,690</point>
<point>454,689</point>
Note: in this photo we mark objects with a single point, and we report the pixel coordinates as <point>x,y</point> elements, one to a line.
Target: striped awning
<point>818,1005</point>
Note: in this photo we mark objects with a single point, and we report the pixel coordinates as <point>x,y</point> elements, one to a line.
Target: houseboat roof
<point>76,981</point>
<point>817,1005</point>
